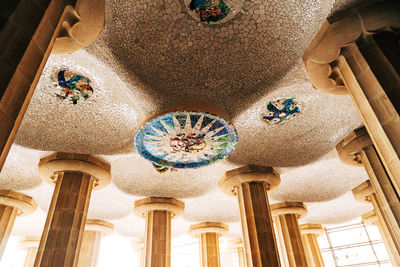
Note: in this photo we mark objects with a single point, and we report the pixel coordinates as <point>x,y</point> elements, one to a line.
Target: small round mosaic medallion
<point>186,139</point>
<point>213,11</point>
<point>280,110</point>
<point>71,87</point>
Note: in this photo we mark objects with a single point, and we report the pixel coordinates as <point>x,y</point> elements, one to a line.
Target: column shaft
<point>63,231</point>
<point>89,252</point>
<point>158,238</point>
<point>379,114</point>
<point>30,256</point>
<point>7,218</point>
<point>289,232</point>
<point>258,231</point>
<point>313,252</point>
<point>209,250</point>
<point>25,41</point>
<point>240,257</point>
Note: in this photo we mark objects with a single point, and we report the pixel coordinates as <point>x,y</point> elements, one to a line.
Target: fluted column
<point>30,244</point>
<point>365,193</point>
<point>309,234</point>
<point>75,176</point>
<point>94,231</point>
<point>285,216</point>
<point>12,204</point>
<point>138,246</point>
<point>356,53</point>
<point>357,150</point>
<point>158,213</point>
<point>237,247</point>
<point>208,234</point>
<point>250,184</point>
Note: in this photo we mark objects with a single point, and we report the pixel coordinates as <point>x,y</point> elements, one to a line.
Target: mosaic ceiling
<point>156,54</point>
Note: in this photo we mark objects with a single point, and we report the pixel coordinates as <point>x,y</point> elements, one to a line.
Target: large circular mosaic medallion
<point>186,139</point>
<point>213,11</point>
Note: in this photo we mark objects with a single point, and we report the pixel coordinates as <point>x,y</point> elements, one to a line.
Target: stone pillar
<point>12,204</point>
<point>138,246</point>
<point>30,244</point>
<point>26,40</point>
<point>250,184</point>
<point>285,215</point>
<point>309,234</point>
<point>94,231</point>
<point>158,212</point>
<point>357,150</point>
<point>75,176</point>
<point>357,53</point>
<point>237,246</point>
<point>208,234</point>
<point>365,193</point>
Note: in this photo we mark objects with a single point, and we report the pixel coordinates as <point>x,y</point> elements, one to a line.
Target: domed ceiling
<point>156,55</point>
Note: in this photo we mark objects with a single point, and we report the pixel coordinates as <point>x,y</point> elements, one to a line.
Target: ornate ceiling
<point>155,55</point>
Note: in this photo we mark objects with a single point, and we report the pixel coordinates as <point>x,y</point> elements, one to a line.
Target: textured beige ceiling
<point>152,56</point>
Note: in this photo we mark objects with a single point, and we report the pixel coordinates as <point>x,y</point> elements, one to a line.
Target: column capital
<point>137,243</point>
<point>249,173</point>
<point>29,242</point>
<point>353,144</point>
<point>235,243</point>
<point>105,228</point>
<point>25,204</point>
<point>313,229</point>
<point>363,192</point>
<point>369,218</point>
<point>172,205</point>
<point>208,227</point>
<point>288,207</point>
<point>59,162</point>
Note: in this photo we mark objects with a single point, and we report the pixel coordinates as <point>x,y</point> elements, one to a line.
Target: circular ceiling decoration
<point>280,110</point>
<point>71,86</point>
<point>186,139</point>
<point>213,11</point>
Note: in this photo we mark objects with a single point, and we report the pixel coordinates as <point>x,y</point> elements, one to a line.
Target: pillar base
<point>23,203</point>
<point>297,208</point>
<point>363,192</point>
<point>311,229</point>
<point>349,148</point>
<point>208,227</point>
<point>172,205</point>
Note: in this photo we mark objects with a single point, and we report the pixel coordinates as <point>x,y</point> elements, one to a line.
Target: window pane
<point>386,265</point>
<point>381,252</point>
<point>328,259</point>
<point>373,232</point>
<point>323,242</point>
<point>362,254</point>
<point>350,236</point>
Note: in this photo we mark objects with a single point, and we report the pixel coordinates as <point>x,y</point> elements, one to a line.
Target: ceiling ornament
<point>186,139</point>
<point>281,110</point>
<point>71,86</point>
<point>213,11</point>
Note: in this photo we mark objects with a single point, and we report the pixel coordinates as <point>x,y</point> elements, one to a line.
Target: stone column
<point>309,234</point>
<point>250,184</point>
<point>158,212</point>
<point>94,231</point>
<point>30,244</point>
<point>208,234</point>
<point>12,204</point>
<point>138,246</point>
<point>26,40</point>
<point>357,150</point>
<point>285,216</point>
<point>237,246</point>
<point>365,193</point>
<point>75,176</point>
<point>357,53</point>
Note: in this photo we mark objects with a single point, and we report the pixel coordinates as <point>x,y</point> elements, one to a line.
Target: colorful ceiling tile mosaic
<point>213,11</point>
<point>71,86</point>
<point>280,110</point>
<point>186,139</point>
